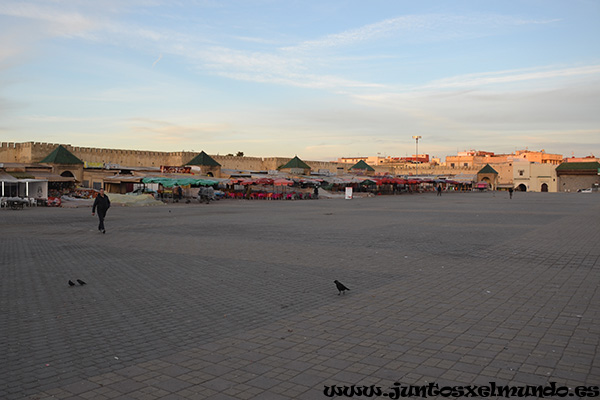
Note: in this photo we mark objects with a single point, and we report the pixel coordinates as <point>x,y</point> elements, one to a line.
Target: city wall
<point>32,152</point>
<point>15,152</point>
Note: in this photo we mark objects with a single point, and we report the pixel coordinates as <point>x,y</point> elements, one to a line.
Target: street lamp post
<point>417,155</point>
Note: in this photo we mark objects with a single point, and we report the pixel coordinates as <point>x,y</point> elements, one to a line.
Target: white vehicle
<point>588,190</point>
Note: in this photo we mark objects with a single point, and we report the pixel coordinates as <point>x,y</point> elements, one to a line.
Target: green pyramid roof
<point>578,166</point>
<point>60,155</point>
<point>295,163</point>
<point>487,170</point>
<point>362,165</point>
<point>204,159</point>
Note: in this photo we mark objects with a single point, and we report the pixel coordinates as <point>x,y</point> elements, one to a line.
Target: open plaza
<point>236,299</point>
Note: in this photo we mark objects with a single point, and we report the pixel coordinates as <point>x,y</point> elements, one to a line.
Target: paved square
<point>236,300</point>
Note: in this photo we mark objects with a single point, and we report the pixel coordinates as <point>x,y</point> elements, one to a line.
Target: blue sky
<point>318,79</point>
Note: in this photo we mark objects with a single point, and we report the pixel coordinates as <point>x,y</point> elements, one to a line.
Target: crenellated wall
<point>15,152</point>
<point>31,152</point>
<point>241,163</point>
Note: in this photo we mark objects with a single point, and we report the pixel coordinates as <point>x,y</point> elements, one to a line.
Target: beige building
<point>473,159</point>
<point>477,158</point>
<point>590,158</point>
<point>540,157</point>
<point>369,160</point>
<point>534,177</point>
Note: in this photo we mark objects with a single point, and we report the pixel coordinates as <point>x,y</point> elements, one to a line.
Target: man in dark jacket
<point>103,204</point>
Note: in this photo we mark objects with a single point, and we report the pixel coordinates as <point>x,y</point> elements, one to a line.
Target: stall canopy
<point>32,188</point>
<point>170,182</point>
<point>50,177</point>
<point>4,177</point>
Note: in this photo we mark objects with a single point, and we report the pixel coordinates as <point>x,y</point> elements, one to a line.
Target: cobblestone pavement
<point>236,300</point>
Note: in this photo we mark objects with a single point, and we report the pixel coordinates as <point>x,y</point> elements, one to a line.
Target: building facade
<point>574,176</point>
<point>534,177</point>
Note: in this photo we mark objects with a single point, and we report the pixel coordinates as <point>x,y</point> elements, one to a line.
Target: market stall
<point>31,191</point>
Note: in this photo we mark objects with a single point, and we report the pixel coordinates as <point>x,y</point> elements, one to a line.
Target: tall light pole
<point>417,155</point>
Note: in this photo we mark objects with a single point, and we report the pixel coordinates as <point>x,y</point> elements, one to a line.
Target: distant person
<point>177,193</point>
<point>316,192</point>
<point>102,202</point>
<point>510,192</point>
<point>439,190</point>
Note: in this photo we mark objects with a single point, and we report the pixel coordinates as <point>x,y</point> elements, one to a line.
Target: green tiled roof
<point>362,165</point>
<point>204,159</point>
<point>60,155</point>
<point>578,166</point>
<point>487,170</point>
<point>295,163</point>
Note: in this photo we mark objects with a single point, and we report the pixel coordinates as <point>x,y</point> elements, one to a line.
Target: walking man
<point>510,192</point>
<point>103,204</point>
<point>439,190</point>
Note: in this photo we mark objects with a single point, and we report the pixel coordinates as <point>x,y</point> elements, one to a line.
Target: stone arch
<point>67,174</point>
<point>522,188</point>
<point>544,187</point>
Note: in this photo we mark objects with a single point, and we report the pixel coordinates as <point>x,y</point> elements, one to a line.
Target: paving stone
<point>237,300</point>
<point>172,384</point>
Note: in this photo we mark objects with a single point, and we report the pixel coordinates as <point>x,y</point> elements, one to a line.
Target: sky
<point>318,79</point>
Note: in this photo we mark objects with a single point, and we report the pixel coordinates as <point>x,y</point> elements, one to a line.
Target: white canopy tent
<point>29,188</point>
<point>33,188</point>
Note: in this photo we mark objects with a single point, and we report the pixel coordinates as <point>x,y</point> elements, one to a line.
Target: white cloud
<point>58,21</point>
<point>503,77</point>
<point>417,28</point>
<point>294,65</point>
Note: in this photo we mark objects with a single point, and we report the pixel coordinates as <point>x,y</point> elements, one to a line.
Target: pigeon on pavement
<point>80,282</point>
<point>71,283</point>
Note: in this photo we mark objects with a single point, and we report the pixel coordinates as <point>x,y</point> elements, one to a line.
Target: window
<point>521,172</point>
<point>466,165</point>
<point>451,165</point>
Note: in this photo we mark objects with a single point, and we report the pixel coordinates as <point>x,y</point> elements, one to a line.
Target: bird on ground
<point>340,287</point>
<point>80,282</point>
<point>71,283</point>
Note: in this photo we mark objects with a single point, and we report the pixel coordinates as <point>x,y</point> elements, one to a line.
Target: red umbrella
<point>264,181</point>
<point>282,182</point>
